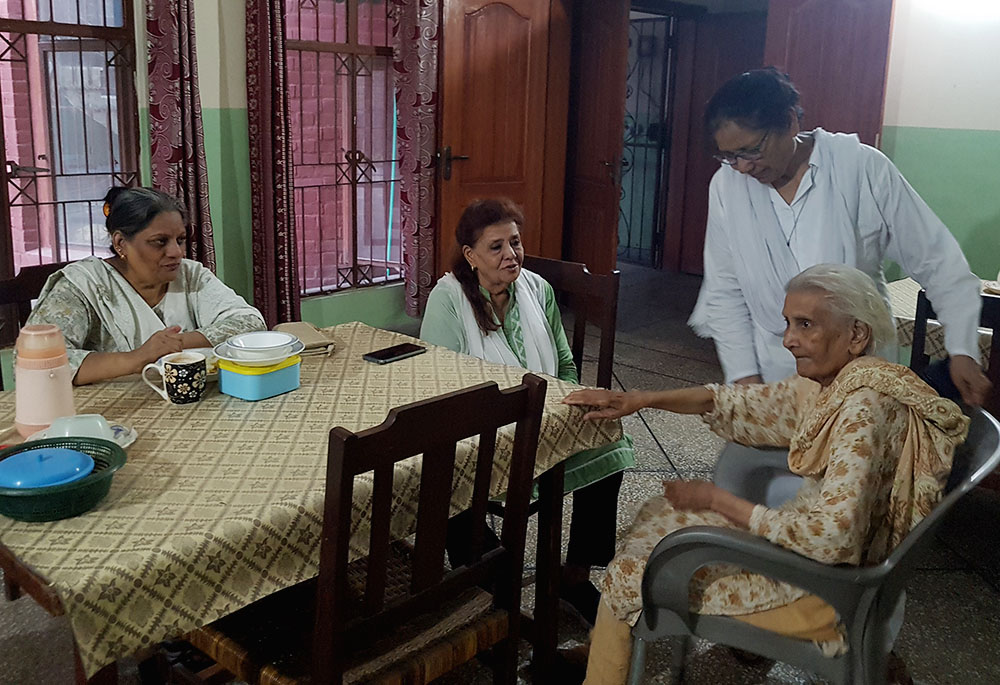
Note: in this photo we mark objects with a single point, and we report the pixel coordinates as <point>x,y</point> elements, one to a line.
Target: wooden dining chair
<point>592,298</point>
<point>20,291</point>
<point>989,318</point>
<point>399,616</point>
<point>26,286</point>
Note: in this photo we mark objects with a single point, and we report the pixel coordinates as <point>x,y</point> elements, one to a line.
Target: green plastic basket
<point>69,499</point>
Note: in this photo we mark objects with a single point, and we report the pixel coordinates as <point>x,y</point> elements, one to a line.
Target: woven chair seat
<point>269,642</point>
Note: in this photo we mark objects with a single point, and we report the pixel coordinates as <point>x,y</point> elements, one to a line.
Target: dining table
<point>220,502</point>
<point>903,303</point>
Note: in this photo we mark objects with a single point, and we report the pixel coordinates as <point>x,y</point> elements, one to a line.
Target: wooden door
<point>596,130</point>
<point>836,52</point>
<point>495,61</point>
<point>725,45</point>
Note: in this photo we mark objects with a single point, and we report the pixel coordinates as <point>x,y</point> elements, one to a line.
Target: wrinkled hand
<point>970,380</point>
<point>689,495</point>
<point>160,343</point>
<point>610,404</point>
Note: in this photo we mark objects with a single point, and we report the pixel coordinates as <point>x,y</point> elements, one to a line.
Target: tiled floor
<point>952,628</point>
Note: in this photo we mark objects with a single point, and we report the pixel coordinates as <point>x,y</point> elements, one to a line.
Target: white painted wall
<point>222,56</point>
<point>944,65</point>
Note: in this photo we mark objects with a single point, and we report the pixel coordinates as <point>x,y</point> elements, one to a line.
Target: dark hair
<point>129,210</point>
<point>476,218</point>
<point>757,100</point>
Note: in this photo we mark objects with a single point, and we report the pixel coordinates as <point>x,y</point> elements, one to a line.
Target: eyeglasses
<point>749,155</point>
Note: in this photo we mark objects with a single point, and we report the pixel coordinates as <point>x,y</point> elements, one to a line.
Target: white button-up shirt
<point>852,207</point>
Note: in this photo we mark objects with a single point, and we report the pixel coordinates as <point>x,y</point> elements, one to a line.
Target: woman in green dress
<point>489,307</point>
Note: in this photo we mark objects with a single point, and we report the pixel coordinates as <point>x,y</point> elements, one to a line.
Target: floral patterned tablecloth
<point>221,501</point>
<point>903,300</point>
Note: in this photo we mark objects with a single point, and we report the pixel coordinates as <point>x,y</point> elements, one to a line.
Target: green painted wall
<point>145,153</point>
<point>380,306</point>
<point>227,157</point>
<point>957,172</point>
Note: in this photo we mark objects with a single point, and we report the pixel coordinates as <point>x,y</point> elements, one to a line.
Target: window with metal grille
<point>68,107</point>
<point>343,128</point>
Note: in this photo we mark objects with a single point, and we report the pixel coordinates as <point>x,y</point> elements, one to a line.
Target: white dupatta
<point>539,342</point>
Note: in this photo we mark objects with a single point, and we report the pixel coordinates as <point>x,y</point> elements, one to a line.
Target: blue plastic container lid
<point>44,467</point>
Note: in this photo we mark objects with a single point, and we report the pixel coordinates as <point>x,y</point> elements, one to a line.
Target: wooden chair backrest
<point>432,427</point>
<point>989,318</point>
<point>26,286</point>
<point>593,298</point>
<point>20,291</point>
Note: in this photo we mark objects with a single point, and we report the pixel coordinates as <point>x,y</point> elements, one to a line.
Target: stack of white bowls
<point>259,348</point>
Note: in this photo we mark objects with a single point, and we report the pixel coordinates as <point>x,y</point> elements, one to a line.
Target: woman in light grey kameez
<point>121,313</point>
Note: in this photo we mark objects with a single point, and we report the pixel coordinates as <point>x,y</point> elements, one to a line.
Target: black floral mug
<point>183,377</point>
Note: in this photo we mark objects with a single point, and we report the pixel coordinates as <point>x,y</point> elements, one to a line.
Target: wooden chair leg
<point>548,558</point>
<point>11,590</point>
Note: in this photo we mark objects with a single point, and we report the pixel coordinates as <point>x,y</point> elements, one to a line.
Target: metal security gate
<point>341,102</point>
<point>68,107</point>
<point>647,139</point>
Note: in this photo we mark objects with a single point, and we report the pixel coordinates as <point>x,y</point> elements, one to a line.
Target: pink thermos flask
<point>42,377</point>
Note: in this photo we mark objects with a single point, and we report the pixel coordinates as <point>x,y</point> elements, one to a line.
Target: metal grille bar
<point>647,108</point>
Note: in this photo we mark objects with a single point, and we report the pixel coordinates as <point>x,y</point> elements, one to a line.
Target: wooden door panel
<point>836,52</point>
<point>597,122</point>
<point>495,67</point>
<point>725,45</point>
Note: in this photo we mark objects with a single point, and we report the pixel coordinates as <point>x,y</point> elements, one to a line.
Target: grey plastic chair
<point>758,474</point>
<point>869,600</point>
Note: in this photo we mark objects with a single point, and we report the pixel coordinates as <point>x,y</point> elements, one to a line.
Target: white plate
<point>211,361</point>
<point>223,351</point>
<point>123,435</point>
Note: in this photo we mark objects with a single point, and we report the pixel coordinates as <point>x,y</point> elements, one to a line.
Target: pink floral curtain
<point>416,33</point>
<point>175,128</point>
<point>275,265</point>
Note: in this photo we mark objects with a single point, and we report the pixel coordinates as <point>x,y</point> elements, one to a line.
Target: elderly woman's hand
<point>610,404</point>
<point>160,343</point>
<point>700,495</point>
<point>969,379</point>
<point>689,495</point>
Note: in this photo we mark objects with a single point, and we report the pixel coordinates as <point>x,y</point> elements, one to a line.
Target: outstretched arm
<point>611,404</point>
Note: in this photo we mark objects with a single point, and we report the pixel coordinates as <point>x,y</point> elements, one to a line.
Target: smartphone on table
<point>394,353</point>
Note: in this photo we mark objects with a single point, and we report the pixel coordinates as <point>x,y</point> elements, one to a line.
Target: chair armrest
<point>676,558</point>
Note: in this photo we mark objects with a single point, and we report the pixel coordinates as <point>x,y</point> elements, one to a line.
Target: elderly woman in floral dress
<point>122,312</point>
<point>873,443</point>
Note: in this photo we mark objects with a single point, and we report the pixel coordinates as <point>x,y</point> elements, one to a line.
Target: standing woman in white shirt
<point>786,199</point>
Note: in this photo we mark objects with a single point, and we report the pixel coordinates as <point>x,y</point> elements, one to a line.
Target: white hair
<point>852,295</point>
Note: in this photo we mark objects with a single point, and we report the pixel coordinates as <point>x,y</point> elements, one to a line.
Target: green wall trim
<point>227,156</point>
<point>145,152</point>
<point>956,172</point>
<point>381,306</point>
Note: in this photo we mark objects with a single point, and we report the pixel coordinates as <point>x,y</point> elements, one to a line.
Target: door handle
<point>18,171</point>
<point>445,158</point>
<point>614,169</point>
